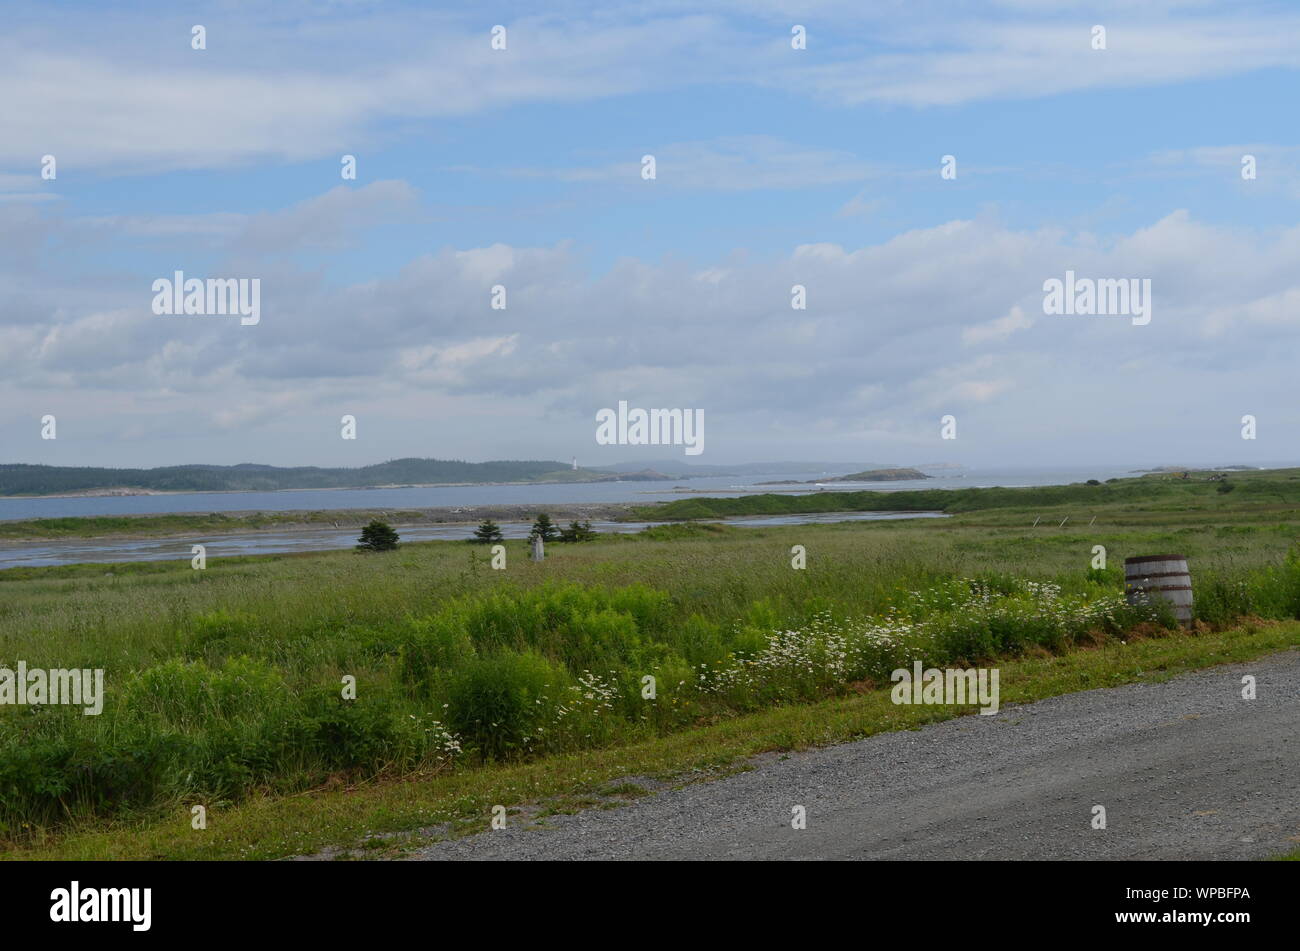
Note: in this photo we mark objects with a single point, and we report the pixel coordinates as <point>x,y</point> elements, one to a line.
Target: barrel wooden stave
<point>1160,576</point>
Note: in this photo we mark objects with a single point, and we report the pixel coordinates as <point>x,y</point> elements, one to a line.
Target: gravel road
<point>1185,769</point>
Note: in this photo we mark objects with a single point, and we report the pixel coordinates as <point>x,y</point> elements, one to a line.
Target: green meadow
<point>300,678</point>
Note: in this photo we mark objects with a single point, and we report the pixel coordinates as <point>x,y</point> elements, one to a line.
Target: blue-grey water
<point>529,494</point>
<point>109,550</point>
<point>95,551</point>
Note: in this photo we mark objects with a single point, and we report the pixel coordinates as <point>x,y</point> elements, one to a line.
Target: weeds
<point>225,684</point>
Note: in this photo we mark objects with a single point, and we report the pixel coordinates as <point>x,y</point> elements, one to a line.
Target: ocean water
<point>110,550</point>
<point>539,495</point>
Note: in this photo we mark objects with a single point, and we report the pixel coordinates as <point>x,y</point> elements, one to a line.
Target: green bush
<point>583,627</point>
<point>235,726</point>
<point>60,774</point>
<point>1216,600</point>
<point>701,641</point>
<point>1111,577</point>
<point>1272,591</point>
<point>221,632</point>
<point>430,647</point>
<point>181,695</point>
<point>502,703</point>
<point>373,729</point>
<point>253,701</point>
<point>377,536</point>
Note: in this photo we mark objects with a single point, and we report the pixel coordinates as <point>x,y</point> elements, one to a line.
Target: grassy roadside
<point>460,801</point>
<point>224,683</point>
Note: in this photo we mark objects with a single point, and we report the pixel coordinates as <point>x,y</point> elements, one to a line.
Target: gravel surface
<point>1185,769</point>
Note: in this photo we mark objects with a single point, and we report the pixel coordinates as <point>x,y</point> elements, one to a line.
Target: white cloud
<point>1277,167</point>
<point>972,58</point>
<point>275,88</point>
<point>734,163</point>
<point>859,206</point>
<point>999,329</point>
<point>884,346</point>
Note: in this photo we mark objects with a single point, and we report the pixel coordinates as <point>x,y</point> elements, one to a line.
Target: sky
<point>774,167</point>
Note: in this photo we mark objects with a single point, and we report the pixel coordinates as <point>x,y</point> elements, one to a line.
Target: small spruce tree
<point>377,536</point>
<point>545,529</point>
<point>578,532</point>
<point>487,533</point>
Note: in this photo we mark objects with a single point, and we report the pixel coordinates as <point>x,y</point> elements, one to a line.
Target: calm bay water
<point>111,550</point>
<point>315,539</point>
<point>540,495</point>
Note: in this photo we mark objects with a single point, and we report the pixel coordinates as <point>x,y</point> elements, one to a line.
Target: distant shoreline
<point>692,504</point>
<point>193,524</point>
<point>649,477</point>
<point>128,492</point>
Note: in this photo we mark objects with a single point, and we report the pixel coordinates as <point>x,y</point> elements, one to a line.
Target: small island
<point>1174,470</point>
<point>870,475</point>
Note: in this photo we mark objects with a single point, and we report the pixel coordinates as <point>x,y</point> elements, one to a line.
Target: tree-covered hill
<point>56,480</point>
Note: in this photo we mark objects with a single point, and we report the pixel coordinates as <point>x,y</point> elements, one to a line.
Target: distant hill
<point>247,477</point>
<point>1171,469</point>
<point>882,475</point>
<point>870,475</point>
<point>680,469</point>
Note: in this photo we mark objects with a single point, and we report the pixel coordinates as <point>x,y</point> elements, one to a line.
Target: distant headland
<point>870,475</point>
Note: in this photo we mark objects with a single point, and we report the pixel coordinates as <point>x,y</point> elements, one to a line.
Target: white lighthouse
<point>575,463</point>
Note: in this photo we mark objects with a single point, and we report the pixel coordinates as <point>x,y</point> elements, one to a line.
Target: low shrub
<point>502,703</point>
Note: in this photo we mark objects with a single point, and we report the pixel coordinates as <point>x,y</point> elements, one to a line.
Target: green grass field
<point>225,686</point>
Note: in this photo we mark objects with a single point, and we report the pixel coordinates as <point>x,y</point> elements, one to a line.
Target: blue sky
<point>775,166</point>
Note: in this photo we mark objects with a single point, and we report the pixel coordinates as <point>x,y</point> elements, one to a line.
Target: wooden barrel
<point>1149,577</point>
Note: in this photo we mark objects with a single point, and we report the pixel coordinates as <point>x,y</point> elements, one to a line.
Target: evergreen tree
<point>578,532</point>
<point>545,529</point>
<point>487,533</point>
<point>377,536</point>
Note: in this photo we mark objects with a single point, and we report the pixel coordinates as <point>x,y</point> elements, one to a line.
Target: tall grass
<point>229,682</point>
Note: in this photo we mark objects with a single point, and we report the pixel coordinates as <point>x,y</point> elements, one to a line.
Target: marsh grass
<point>225,684</point>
